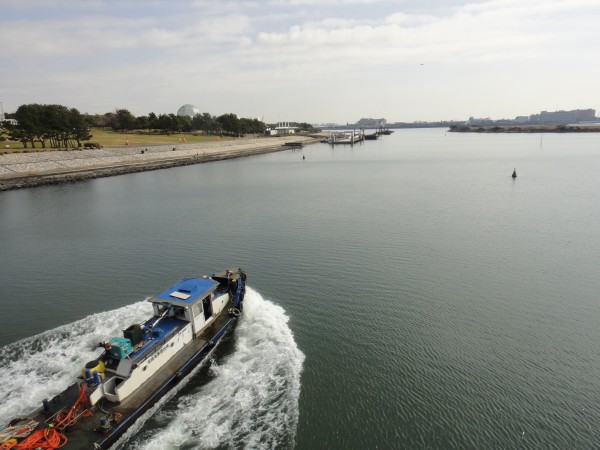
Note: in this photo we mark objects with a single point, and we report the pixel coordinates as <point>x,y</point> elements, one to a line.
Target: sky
<point>316,61</point>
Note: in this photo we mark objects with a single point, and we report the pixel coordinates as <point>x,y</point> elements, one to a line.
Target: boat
<point>372,136</point>
<point>137,369</point>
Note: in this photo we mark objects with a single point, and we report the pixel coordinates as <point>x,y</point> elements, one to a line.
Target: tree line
<point>123,120</point>
<point>58,126</point>
<point>53,125</point>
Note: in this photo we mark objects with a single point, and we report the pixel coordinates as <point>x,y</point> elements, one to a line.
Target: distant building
<point>3,118</point>
<point>281,128</point>
<point>480,121</point>
<point>371,123</point>
<point>558,117</point>
<point>586,115</point>
<point>565,117</point>
<point>325,125</point>
<point>188,110</point>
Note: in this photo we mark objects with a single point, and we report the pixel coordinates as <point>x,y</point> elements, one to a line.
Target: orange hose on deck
<point>50,438</point>
<point>81,405</point>
<point>47,439</point>
<point>7,445</point>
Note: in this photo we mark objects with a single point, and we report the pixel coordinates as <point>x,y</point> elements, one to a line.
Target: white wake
<point>42,366</point>
<point>251,401</point>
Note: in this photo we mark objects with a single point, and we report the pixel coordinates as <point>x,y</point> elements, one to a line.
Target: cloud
<point>343,3</point>
<point>496,30</point>
<point>246,51</point>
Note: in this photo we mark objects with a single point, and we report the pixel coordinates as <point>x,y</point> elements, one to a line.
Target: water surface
<point>426,299</point>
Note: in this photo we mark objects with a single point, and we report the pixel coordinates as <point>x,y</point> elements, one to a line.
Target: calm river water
<point>405,293</point>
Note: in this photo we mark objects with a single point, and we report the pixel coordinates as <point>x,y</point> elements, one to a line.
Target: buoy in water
<point>514,175</point>
<point>303,157</point>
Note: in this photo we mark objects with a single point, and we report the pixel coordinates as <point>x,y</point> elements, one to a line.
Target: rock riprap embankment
<point>18,170</point>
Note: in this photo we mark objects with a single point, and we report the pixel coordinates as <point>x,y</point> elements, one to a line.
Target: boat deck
<point>167,326</point>
<point>137,403</point>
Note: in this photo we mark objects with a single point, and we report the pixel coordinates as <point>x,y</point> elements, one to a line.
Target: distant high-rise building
<point>558,117</point>
<point>565,117</point>
<point>586,115</point>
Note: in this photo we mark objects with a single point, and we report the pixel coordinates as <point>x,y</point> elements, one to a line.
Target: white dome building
<point>188,110</point>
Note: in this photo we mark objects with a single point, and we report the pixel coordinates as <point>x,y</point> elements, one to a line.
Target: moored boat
<point>137,369</point>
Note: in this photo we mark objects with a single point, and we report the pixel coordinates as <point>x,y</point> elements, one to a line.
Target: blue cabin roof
<point>187,291</point>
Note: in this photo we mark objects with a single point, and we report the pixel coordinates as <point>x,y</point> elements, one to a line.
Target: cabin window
<point>197,309</point>
<point>179,312</point>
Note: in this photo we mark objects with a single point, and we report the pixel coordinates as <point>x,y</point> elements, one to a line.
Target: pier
<point>347,137</point>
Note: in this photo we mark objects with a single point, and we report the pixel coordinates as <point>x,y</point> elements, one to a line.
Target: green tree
<point>124,120</point>
<point>100,120</point>
<point>152,121</point>
<point>206,123</point>
<point>29,127</point>
<point>141,123</point>
<point>56,124</point>
<point>108,120</point>
<point>184,123</point>
<point>79,126</point>
<point>229,123</point>
<point>174,123</point>
<point>252,126</point>
<point>164,124</point>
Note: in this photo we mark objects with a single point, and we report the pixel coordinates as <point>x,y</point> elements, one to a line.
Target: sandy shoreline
<point>21,170</point>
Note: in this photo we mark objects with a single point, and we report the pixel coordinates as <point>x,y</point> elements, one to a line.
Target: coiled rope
<point>47,439</point>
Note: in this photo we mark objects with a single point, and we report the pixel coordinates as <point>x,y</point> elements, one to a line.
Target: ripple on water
<point>251,398</point>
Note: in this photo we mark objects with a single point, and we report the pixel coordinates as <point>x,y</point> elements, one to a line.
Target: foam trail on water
<point>252,401</point>
<point>44,365</point>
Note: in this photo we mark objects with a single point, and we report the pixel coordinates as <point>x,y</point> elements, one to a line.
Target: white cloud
<point>336,3</point>
<point>231,51</point>
<point>482,32</point>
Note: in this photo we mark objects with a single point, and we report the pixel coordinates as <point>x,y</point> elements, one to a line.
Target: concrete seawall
<point>21,170</point>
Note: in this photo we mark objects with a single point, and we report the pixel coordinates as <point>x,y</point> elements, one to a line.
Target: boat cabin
<point>194,300</point>
<point>180,312</point>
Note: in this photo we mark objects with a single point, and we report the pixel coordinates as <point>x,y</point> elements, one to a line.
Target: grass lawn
<point>109,138</point>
